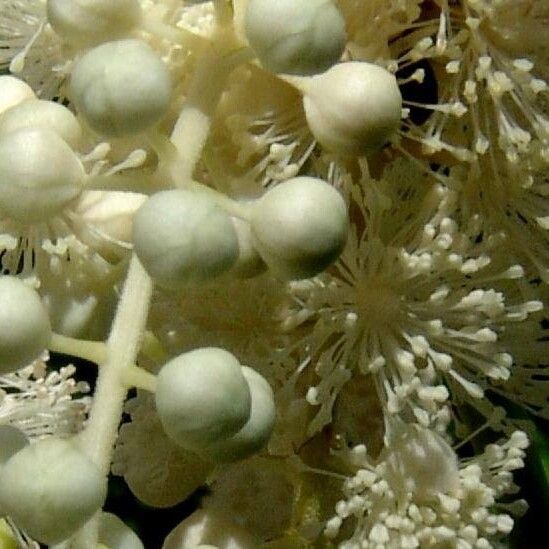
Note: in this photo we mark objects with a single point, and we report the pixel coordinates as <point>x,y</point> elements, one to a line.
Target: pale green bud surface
<point>11,441</point>
<point>353,108</point>
<point>92,21</point>
<point>121,87</point>
<point>299,227</point>
<point>42,114</point>
<point>39,174</point>
<point>13,91</point>
<point>257,430</point>
<point>300,37</point>
<point>24,325</point>
<point>183,237</point>
<point>202,396</point>
<point>50,489</point>
<point>115,534</point>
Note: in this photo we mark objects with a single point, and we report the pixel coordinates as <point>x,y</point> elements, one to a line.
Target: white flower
<point>259,136</point>
<point>42,403</point>
<point>415,301</point>
<point>465,513</point>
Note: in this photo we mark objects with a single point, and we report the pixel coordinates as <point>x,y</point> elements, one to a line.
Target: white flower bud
<point>11,441</point>
<point>183,237</point>
<point>249,262</point>
<point>13,91</point>
<point>104,220</point>
<point>92,21</point>
<point>202,396</point>
<point>50,489</point>
<point>39,174</point>
<point>114,534</point>
<point>210,529</point>
<point>121,87</point>
<point>421,461</point>
<point>43,114</point>
<point>295,36</point>
<point>353,108</point>
<point>24,325</point>
<point>257,430</point>
<point>299,227</point>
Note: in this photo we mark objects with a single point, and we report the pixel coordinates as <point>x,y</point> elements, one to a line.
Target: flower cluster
<point>311,235</point>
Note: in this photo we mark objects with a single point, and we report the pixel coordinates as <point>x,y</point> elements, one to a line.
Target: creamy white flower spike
<point>50,489</point>
<point>43,114</point>
<point>13,91</point>
<point>353,108</point>
<point>299,227</point>
<point>295,36</point>
<point>39,174</point>
<point>121,87</point>
<point>84,22</point>
<point>257,430</point>
<point>183,237</point>
<point>202,396</point>
<point>24,325</point>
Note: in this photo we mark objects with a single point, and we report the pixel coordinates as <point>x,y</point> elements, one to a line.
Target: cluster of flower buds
<point>297,228</point>
<point>209,403</point>
<point>352,108</point>
<point>119,87</point>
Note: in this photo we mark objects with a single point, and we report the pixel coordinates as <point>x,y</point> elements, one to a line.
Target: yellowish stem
<point>99,436</point>
<point>193,125</point>
<point>134,376</point>
<point>94,351</point>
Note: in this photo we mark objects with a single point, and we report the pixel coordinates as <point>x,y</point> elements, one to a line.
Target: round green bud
<point>50,489</point>
<point>257,430</point>
<point>114,534</point>
<point>83,22</point>
<point>39,174</point>
<point>42,114</point>
<point>13,91</point>
<point>121,87</point>
<point>183,237</point>
<point>11,441</point>
<point>299,37</point>
<point>299,227</point>
<point>353,108</point>
<point>202,396</point>
<point>24,325</point>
